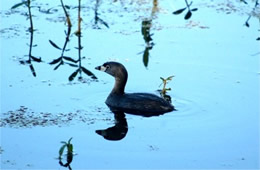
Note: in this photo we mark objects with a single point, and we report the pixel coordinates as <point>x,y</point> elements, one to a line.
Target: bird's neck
<point>120,82</point>
<point>119,87</point>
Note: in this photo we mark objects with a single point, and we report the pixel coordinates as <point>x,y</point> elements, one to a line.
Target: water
<point>214,58</point>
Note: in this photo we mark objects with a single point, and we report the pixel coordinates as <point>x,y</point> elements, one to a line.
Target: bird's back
<point>139,103</point>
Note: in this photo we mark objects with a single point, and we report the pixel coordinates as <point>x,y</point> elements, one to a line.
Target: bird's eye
<point>107,67</point>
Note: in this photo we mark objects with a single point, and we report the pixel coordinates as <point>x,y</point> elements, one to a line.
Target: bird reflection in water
<point>118,131</point>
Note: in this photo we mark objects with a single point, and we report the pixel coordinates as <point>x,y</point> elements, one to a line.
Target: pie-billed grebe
<point>136,103</point>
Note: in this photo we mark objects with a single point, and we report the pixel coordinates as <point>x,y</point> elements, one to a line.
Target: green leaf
<point>19,4</point>
<point>62,150</point>
<point>73,75</point>
<point>69,140</point>
<point>169,78</point>
<point>55,45</point>
<point>179,11</point>
<point>70,148</point>
<point>89,73</point>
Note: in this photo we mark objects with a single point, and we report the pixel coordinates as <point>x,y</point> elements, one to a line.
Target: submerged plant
<point>189,13</point>
<point>69,156</point>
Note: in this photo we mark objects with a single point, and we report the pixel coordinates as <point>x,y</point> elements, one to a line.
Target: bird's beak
<point>101,68</point>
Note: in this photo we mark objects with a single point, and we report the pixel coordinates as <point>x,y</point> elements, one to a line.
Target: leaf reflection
<point>97,18</point>
<point>189,13</point>
<point>60,60</point>
<point>31,31</point>
<point>146,33</point>
<point>67,59</point>
<point>250,15</point>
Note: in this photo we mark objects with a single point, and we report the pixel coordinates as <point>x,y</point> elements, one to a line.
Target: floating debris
<point>27,118</point>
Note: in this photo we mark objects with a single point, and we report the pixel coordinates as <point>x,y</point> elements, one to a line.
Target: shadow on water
<point>25,118</point>
<point>146,26</point>
<point>62,59</point>
<point>118,131</point>
<point>189,13</point>
<point>31,31</point>
<point>68,60</point>
<point>253,12</point>
<point>97,18</point>
<point>146,32</point>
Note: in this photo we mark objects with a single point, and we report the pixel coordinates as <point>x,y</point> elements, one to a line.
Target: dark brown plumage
<point>136,103</point>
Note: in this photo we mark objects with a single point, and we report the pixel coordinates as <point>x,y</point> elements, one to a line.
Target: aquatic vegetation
<point>68,60</point>
<point>30,30</point>
<point>61,59</point>
<point>163,91</point>
<point>217,72</point>
<point>97,17</point>
<point>164,83</point>
<point>250,15</point>
<point>189,13</point>
<point>147,35</point>
<point>80,68</point>
<point>69,156</point>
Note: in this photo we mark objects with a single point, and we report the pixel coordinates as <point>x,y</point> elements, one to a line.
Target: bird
<point>145,104</point>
